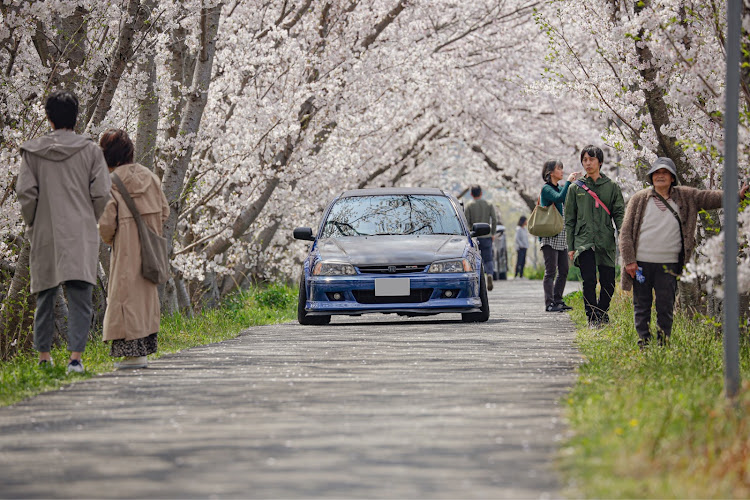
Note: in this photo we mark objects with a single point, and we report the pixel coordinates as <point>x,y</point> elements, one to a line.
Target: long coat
<point>63,186</point>
<point>689,200</point>
<point>588,226</point>
<point>132,300</point>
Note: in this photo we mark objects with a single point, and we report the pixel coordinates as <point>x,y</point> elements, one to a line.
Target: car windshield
<point>392,215</point>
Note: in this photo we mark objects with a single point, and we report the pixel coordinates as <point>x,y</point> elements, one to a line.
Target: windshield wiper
<point>420,228</point>
<point>340,225</point>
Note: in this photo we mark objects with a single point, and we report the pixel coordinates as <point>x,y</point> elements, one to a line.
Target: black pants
<point>555,262</point>
<point>662,280</point>
<point>596,309</point>
<point>520,262</point>
<point>79,316</point>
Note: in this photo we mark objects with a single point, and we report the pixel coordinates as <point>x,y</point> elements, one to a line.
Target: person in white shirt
<point>522,244</point>
<point>657,238</point>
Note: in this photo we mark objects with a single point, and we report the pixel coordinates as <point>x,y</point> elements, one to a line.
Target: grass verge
<point>21,378</point>
<point>655,424</point>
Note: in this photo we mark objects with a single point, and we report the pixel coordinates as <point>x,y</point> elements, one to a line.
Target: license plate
<point>391,286</point>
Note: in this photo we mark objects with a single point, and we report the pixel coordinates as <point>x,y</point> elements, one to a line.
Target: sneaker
<point>131,362</point>
<point>46,363</point>
<point>490,285</point>
<point>75,366</point>
<point>554,308</point>
<point>564,307</point>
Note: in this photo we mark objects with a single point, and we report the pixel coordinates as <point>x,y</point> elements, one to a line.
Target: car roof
<point>392,190</point>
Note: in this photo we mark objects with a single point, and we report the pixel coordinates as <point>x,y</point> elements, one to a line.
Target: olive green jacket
<point>479,210</point>
<point>588,226</point>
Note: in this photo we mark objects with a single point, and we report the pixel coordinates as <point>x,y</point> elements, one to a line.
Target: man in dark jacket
<point>478,210</point>
<point>63,186</point>
<point>591,206</point>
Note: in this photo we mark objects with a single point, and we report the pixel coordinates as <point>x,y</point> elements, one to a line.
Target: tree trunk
<point>243,221</point>
<point>237,279</point>
<point>383,24</point>
<point>209,291</point>
<point>657,106</point>
<point>148,119</point>
<point>512,181</point>
<point>183,298</point>
<point>133,23</point>
<point>17,311</point>
<point>98,303</point>
<point>168,297</point>
<point>174,175</point>
<point>192,115</point>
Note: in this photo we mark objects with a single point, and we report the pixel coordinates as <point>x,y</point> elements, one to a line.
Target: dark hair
<point>117,147</point>
<point>593,152</point>
<point>476,191</point>
<point>62,109</point>
<point>522,220</point>
<point>548,167</point>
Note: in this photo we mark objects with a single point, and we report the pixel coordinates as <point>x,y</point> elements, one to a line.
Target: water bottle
<point>639,275</point>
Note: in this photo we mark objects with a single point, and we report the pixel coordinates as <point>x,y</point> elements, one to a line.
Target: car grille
<point>398,269</point>
<point>416,295</point>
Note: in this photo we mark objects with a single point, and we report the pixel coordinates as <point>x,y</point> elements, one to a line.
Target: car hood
<point>375,250</point>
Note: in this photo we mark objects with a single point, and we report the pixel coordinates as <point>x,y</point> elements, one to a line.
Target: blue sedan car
<point>392,250</point>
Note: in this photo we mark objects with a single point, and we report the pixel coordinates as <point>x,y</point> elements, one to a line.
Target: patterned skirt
<point>557,242</point>
<point>137,347</point>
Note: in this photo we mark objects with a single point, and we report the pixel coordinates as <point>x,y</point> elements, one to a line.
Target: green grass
<point>21,378</point>
<point>537,273</point>
<point>655,424</point>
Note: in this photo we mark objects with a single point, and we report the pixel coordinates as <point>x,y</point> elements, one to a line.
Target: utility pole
<point>731,193</point>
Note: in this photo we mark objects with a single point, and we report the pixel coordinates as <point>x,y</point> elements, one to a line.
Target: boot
<point>490,285</point>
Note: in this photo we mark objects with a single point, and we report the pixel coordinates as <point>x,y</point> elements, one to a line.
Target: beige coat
<point>132,301</point>
<point>63,186</point>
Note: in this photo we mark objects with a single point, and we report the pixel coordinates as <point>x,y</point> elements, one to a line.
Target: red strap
<point>597,201</point>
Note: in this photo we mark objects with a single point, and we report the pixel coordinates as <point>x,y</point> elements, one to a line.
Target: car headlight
<point>452,266</point>
<point>333,269</point>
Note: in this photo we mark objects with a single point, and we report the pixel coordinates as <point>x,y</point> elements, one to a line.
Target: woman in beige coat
<point>131,321</point>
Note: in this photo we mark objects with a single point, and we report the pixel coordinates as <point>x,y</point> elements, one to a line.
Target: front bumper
<point>428,294</point>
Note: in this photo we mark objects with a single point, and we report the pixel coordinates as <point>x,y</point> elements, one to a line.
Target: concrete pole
<point>731,193</point>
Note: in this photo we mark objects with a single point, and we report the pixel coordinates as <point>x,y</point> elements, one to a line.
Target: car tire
<point>484,314</point>
<point>302,317</point>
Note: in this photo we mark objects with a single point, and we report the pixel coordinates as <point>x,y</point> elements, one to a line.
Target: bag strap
<point>597,201</point>
<point>128,201</point>
<point>681,260</point>
<point>674,212</point>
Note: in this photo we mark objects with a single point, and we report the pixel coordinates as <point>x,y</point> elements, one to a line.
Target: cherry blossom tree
<point>655,70</point>
<point>255,114</point>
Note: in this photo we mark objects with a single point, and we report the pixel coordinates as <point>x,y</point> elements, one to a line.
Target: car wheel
<point>302,317</point>
<point>484,314</point>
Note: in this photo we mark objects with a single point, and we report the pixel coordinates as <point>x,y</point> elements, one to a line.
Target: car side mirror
<point>303,233</point>
<point>480,229</point>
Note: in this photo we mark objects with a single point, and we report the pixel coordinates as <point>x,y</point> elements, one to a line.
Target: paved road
<point>367,408</point>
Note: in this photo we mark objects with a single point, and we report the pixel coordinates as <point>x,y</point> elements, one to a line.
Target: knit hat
<point>663,163</point>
